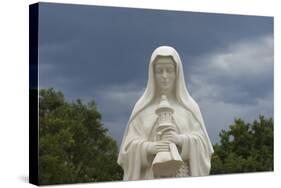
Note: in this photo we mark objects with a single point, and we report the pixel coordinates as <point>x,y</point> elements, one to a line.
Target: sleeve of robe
<point>194,150</point>
<point>133,152</point>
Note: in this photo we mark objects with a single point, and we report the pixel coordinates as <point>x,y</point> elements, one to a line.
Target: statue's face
<point>165,73</point>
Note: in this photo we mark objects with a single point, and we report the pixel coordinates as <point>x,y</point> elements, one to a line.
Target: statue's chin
<point>165,90</point>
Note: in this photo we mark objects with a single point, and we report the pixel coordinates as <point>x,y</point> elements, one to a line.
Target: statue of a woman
<point>142,140</point>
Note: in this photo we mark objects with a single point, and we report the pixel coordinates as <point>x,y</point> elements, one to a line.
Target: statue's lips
<point>165,83</point>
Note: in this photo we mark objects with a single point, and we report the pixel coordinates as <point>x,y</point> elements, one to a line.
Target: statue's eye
<point>158,70</point>
<point>170,70</point>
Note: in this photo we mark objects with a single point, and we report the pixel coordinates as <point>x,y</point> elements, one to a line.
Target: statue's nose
<point>164,74</point>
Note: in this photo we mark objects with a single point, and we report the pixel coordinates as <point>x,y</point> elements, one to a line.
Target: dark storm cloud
<point>102,53</point>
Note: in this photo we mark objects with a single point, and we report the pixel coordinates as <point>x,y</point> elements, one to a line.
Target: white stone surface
<point>165,135</point>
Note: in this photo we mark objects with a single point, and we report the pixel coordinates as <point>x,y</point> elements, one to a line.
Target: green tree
<point>74,146</point>
<point>245,147</point>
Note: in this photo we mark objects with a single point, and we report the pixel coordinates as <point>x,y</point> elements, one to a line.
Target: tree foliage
<point>73,144</point>
<point>245,147</point>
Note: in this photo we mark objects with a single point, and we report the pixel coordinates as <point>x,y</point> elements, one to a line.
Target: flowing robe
<point>135,160</point>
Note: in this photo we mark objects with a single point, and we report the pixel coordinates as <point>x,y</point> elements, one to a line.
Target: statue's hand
<point>172,137</point>
<point>158,146</point>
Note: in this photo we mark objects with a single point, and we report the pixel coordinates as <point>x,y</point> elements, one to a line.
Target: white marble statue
<point>165,135</point>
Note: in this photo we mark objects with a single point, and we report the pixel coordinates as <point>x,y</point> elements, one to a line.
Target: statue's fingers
<point>169,140</point>
<point>163,150</point>
<point>165,145</point>
<point>167,136</point>
<point>162,147</point>
<point>164,142</point>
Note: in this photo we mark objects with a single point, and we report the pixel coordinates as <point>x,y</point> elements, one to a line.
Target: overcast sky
<point>102,54</point>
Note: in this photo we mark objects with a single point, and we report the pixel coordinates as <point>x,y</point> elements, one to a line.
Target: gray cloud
<point>116,104</point>
<point>243,70</point>
<point>236,82</point>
